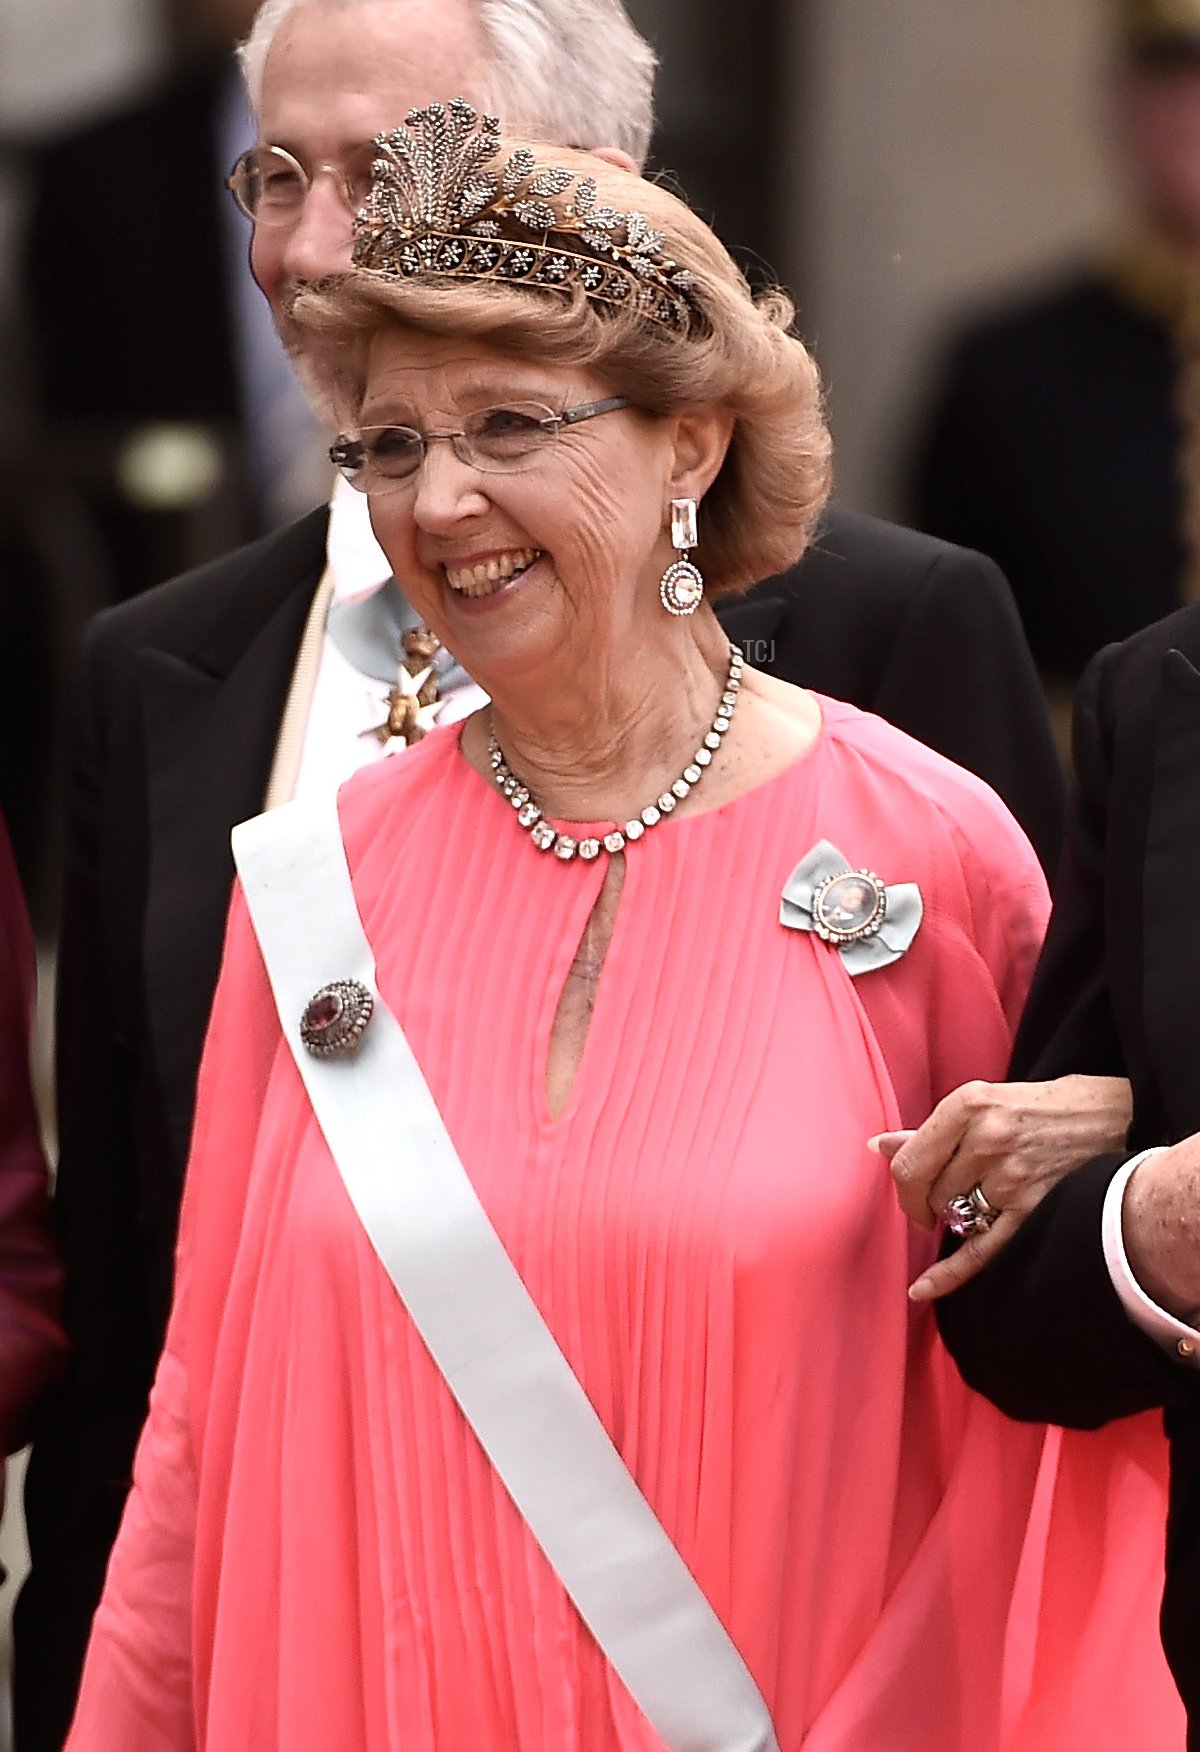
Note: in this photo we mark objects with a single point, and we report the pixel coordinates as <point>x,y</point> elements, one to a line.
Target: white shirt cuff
<point>1176,1336</point>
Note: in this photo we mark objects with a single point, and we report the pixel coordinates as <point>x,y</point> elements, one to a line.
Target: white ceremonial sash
<point>467,1300</point>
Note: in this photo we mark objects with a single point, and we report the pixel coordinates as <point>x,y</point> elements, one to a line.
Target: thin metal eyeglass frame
<point>238,177</point>
<point>392,483</point>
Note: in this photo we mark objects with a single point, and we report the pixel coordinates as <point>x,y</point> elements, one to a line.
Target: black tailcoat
<point>177,717</point>
<point>1041,1331</point>
<point>1053,446</point>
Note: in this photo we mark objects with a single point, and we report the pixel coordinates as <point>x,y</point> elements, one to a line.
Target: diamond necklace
<point>547,839</point>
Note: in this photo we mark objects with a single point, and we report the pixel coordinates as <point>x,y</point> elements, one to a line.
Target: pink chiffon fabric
<point>316,1553</point>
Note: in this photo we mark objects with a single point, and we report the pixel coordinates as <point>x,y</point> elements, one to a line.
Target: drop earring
<point>682,586</point>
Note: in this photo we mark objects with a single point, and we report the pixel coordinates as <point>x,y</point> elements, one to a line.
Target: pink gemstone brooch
<point>335,1018</point>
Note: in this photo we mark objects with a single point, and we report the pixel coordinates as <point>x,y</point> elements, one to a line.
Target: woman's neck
<point>598,742</point>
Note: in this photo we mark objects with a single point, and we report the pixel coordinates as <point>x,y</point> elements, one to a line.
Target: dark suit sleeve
<point>81,1462</point>
<point>960,678</point>
<point>1041,1331</point>
<point>31,1341</point>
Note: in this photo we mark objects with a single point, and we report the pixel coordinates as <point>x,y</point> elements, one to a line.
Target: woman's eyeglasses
<point>378,459</point>
<point>271,186</point>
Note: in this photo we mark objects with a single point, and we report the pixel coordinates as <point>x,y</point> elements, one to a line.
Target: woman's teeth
<point>488,577</point>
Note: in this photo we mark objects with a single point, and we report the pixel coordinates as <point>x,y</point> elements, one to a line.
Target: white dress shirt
<point>347,706</point>
<point>1176,1336</point>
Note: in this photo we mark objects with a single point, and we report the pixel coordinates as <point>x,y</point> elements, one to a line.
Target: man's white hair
<point>572,72</point>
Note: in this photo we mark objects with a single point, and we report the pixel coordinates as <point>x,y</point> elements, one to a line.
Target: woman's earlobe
<point>702,438</point>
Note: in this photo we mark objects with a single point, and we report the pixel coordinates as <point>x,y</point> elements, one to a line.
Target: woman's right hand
<point>1014,1141</point>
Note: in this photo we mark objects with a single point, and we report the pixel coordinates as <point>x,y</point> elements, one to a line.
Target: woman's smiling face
<point>508,567</point>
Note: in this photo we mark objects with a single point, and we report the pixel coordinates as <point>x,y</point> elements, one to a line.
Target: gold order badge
<point>411,703</point>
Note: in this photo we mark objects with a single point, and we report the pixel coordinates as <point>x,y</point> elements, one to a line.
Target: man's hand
<point>1160,1221</point>
<point>1012,1140</point>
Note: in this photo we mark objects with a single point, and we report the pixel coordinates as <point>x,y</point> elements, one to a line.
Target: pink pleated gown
<point>317,1557</point>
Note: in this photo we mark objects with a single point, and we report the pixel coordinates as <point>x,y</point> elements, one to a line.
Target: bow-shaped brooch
<point>871,924</point>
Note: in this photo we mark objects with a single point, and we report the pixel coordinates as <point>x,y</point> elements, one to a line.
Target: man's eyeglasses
<point>271,186</point>
<point>378,459</point>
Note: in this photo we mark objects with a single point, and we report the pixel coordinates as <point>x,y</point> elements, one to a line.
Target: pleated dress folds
<point>318,1556</point>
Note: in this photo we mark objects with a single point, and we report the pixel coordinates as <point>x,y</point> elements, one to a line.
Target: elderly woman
<point>668,941</point>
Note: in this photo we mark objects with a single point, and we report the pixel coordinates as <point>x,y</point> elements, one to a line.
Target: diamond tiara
<point>439,206</point>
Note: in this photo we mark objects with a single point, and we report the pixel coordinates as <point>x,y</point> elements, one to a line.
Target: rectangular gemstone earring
<point>682,586</point>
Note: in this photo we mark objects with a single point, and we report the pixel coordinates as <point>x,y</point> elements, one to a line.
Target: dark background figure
<point>29,644</point>
<point>31,1341</point>
<point>146,371</point>
<point>1064,439</point>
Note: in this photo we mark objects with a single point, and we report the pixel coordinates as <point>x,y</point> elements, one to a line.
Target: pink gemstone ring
<point>336,1017</point>
<point>970,1213</point>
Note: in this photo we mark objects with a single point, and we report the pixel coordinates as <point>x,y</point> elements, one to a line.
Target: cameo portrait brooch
<point>868,921</point>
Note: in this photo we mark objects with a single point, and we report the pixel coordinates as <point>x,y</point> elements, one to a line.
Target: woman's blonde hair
<point>758,514</point>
